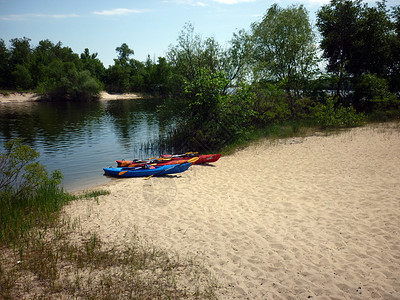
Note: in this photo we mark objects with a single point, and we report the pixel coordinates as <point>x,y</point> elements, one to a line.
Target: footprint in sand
<point>159,192</point>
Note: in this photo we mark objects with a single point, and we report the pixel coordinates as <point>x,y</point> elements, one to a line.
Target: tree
<point>20,58</point>
<point>123,54</point>
<point>237,58</point>
<point>372,51</point>
<point>5,74</point>
<point>358,40</point>
<point>338,23</point>
<point>394,80</point>
<point>192,53</point>
<point>20,174</point>
<point>117,79</point>
<point>20,51</point>
<point>22,77</point>
<point>284,47</point>
<point>92,64</point>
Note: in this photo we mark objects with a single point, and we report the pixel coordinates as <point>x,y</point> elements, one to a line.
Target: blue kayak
<point>146,171</point>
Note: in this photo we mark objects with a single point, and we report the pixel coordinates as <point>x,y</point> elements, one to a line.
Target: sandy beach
<point>314,217</point>
<point>28,97</point>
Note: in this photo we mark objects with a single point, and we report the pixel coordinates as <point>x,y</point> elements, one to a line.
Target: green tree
<point>394,79</point>
<point>20,55</point>
<point>118,79</point>
<point>43,55</point>
<point>236,61</point>
<point>191,54</point>
<point>373,94</point>
<point>158,76</point>
<point>20,51</point>
<point>122,76</point>
<point>338,23</point>
<point>124,52</point>
<point>92,64</point>
<point>22,77</point>
<point>20,173</point>
<point>371,52</point>
<point>284,48</point>
<point>5,72</point>
<point>357,40</point>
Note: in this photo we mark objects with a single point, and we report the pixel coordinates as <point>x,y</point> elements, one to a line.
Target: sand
<point>315,217</point>
<point>28,97</point>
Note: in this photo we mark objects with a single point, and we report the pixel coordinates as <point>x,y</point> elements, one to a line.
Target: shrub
<point>28,196</point>
<point>332,114</point>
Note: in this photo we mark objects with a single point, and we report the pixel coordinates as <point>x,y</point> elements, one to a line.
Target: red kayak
<point>168,159</point>
<point>203,159</point>
<point>155,162</point>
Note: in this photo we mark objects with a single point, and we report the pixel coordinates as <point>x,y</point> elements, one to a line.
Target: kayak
<point>147,171</point>
<point>155,162</point>
<point>167,159</point>
<point>204,158</point>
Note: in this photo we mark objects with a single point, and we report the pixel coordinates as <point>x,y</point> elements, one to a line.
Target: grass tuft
<point>54,258</point>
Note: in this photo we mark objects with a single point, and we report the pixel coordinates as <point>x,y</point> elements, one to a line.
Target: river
<point>80,139</point>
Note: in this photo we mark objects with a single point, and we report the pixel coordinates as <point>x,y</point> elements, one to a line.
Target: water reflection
<point>82,138</point>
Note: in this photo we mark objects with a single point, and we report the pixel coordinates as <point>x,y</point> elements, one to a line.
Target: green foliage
<point>204,95</point>
<point>19,175</point>
<point>130,75</point>
<point>270,104</point>
<point>92,64</point>
<point>22,77</point>
<point>238,109</point>
<point>358,40</point>
<point>27,195</point>
<point>333,115</point>
<point>209,116</point>
<point>191,54</point>
<point>5,71</point>
<point>52,70</point>
<point>284,47</point>
<point>374,93</point>
<point>237,58</point>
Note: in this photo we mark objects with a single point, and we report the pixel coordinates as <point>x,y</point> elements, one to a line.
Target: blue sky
<point>148,27</point>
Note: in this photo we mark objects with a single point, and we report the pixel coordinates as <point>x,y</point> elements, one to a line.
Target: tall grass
<point>18,215</point>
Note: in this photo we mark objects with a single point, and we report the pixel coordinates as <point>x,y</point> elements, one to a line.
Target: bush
<point>27,195</point>
<point>331,115</point>
<point>373,94</point>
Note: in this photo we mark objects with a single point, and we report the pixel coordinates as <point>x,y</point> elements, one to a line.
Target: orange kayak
<point>170,160</point>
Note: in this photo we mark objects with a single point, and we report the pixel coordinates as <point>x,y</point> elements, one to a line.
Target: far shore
<point>29,96</point>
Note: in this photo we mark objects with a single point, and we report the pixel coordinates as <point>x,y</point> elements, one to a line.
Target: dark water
<point>81,138</point>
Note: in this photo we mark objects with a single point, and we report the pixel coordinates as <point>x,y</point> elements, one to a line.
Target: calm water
<point>81,138</point>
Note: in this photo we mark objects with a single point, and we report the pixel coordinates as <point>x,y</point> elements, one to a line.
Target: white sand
<point>19,97</point>
<point>27,97</point>
<point>315,217</point>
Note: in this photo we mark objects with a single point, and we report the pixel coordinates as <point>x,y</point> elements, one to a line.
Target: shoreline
<point>32,97</point>
<point>317,218</point>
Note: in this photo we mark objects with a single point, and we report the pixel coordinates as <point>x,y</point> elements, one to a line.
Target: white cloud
<point>232,1</point>
<point>189,2</point>
<point>118,11</point>
<point>22,17</point>
<point>320,2</point>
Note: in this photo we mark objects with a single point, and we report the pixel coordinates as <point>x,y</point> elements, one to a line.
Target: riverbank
<point>28,97</point>
<point>294,218</point>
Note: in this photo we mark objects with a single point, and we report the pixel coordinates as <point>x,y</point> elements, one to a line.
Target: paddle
<point>185,154</point>
<point>132,168</point>
<point>192,160</point>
